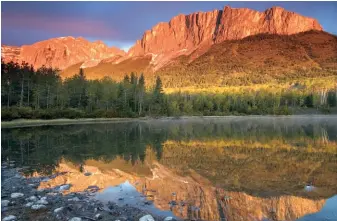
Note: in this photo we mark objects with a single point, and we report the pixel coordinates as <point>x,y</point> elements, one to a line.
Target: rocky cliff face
<point>186,32</point>
<point>61,52</point>
<point>10,53</point>
<point>166,41</point>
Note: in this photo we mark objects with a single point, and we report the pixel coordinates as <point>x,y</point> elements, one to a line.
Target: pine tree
<point>158,91</point>
<point>126,79</point>
<point>83,97</point>
<point>133,92</point>
<point>133,79</point>
<point>141,91</point>
<point>158,96</point>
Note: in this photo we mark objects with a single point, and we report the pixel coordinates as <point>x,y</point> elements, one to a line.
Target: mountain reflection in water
<point>208,169</point>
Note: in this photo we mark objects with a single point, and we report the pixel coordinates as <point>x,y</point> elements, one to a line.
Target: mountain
<point>227,47</point>
<point>61,52</point>
<point>184,33</point>
<point>255,59</point>
<point>221,47</point>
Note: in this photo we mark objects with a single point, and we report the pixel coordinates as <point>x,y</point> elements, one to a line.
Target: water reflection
<point>328,212</point>
<point>233,169</point>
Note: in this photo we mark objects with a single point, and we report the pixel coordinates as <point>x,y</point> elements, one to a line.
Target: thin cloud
<point>62,26</point>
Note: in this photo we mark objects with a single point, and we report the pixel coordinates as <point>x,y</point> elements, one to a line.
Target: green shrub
<point>95,114</point>
<point>25,112</point>
<point>72,113</point>
<point>8,114</point>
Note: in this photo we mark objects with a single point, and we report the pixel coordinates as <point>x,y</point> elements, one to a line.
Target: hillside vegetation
<point>111,69</point>
<point>256,59</point>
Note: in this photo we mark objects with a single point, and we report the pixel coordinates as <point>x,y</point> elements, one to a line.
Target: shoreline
<point>65,121</point>
<point>22,199</point>
<point>61,121</point>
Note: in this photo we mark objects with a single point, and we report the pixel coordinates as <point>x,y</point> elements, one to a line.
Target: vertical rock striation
<point>186,32</point>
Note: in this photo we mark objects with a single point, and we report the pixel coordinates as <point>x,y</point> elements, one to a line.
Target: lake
<point>230,168</point>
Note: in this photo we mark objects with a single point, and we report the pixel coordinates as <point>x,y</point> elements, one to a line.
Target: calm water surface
<point>244,168</point>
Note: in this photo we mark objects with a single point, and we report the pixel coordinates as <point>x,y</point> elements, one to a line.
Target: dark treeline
<point>27,93</point>
<point>42,94</point>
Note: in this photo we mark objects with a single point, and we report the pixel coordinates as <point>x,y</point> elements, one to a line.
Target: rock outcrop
<point>61,52</point>
<point>10,53</point>
<point>184,33</point>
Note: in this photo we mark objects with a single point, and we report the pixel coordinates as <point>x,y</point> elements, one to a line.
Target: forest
<point>42,94</point>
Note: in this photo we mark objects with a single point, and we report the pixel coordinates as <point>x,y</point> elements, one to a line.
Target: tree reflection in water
<point>233,168</point>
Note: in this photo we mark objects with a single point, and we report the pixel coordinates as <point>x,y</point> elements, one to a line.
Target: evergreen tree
<point>332,99</point>
<point>309,101</point>
<point>122,101</point>
<point>158,91</point>
<point>133,79</point>
<point>126,79</point>
<point>141,93</point>
<point>133,92</point>
<point>83,99</point>
<point>158,97</point>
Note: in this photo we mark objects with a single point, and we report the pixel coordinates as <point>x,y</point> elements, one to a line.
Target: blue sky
<point>122,23</point>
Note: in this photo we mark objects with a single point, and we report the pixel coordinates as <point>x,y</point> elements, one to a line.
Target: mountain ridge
<point>166,43</point>
<point>62,52</point>
<point>185,33</point>
<point>234,62</point>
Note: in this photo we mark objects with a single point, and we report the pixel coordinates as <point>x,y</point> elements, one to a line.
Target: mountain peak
<point>66,37</point>
<point>189,31</point>
<point>60,52</point>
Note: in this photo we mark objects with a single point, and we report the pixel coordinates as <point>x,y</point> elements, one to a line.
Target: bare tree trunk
<point>8,95</point>
<point>48,97</point>
<point>38,98</point>
<point>140,103</point>
<point>140,109</point>
<point>79,101</point>
<point>124,100</point>
<point>28,85</point>
<point>57,97</point>
<point>323,96</point>
<point>21,94</point>
<point>135,101</point>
